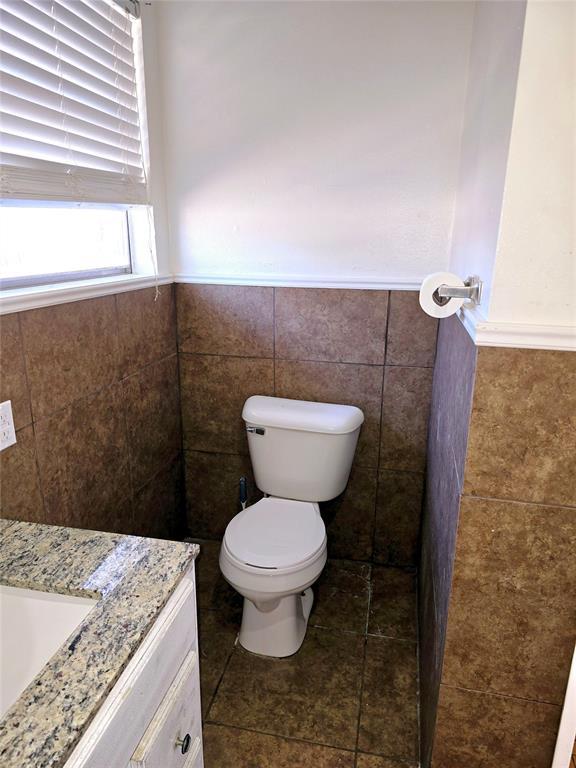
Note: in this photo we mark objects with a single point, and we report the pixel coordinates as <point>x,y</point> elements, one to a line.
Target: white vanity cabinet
<point>152,716</point>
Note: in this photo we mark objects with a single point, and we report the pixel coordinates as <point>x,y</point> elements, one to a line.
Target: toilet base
<point>278,631</point>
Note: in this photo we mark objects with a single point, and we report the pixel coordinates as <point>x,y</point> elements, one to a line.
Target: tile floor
<point>347,699</point>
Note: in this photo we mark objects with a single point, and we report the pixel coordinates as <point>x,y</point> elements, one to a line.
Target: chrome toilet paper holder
<point>471,290</point>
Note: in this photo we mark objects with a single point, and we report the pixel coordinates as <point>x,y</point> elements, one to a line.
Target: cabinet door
<point>173,738</point>
<point>118,726</point>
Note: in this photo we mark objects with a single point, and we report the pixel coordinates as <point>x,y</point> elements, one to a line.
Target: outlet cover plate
<point>7,433</point>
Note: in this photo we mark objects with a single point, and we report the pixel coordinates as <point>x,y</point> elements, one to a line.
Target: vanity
<point>100,635</point>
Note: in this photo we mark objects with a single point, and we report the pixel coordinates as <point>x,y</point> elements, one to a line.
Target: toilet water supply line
<point>243,493</point>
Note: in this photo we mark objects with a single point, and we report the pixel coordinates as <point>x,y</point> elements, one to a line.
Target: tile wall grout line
<point>25,366</point>
<point>147,365</point>
<point>100,390</point>
<point>517,501</point>
<point>304,360</point>
<point>387,334</point>
<point>157,472</point>
<point>503,695</point>
<point>184,500</point>
<point>381,420</point>
<point>120,383</point>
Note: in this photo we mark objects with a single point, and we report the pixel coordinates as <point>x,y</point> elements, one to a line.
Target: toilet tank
<point>301,450</point>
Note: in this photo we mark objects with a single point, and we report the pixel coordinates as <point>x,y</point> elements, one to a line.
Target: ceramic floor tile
<point>217,635</point>
<point>341,596</point>
<point>375,761</point>
<point>313,695</point>
<point>393,603</point>
<point>234,748</point>
<point>389,714</point>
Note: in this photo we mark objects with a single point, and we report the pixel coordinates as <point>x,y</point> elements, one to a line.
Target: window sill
<point>21,299</point>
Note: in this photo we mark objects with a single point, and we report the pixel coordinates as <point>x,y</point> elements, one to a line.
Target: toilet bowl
<point>274,551</point>
<point>271,554</point>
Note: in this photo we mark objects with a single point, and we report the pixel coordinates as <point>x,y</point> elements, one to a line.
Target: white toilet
<point>275,550</point>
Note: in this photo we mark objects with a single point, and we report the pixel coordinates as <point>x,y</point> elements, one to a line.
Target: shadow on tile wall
<point>374,349</point>
<point>95,395</point>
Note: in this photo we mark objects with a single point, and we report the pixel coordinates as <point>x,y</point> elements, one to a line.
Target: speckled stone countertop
<point>131,577</point>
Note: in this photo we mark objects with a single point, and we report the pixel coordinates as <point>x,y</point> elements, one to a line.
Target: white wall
<point>534,279</point>
<point>153,135</point>
<point>312,141</point>
<point>516,206</point>
<point>493,72</point>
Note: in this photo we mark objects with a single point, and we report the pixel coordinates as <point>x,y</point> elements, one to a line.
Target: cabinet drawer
<point>176,726</point>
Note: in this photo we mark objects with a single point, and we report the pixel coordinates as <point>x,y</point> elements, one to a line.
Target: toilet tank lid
<point>302,415</point>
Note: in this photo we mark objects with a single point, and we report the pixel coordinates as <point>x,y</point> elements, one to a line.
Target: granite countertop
<point>131,578</point>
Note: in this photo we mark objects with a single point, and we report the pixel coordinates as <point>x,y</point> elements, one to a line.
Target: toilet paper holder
<point>472,290</point>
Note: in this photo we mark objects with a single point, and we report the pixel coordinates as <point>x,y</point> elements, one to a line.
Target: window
<point>72,163</point>
<point>41,245</point>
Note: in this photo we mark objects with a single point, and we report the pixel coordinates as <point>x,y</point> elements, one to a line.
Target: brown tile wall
<point>452,390</point>
<point>508,623</point>
<point>95,395</point>
<point>374,349</point>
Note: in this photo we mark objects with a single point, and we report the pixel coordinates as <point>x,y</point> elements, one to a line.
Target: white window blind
<point>69,117</point>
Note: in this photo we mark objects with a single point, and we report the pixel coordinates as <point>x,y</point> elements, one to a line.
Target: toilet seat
<point>276,533</point>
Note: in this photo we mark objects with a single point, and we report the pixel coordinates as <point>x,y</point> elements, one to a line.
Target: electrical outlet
<point>7,433</point>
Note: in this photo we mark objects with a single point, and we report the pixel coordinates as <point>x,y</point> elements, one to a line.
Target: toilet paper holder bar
<point>472,290</point>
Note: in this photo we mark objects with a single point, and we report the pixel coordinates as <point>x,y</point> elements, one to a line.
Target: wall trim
<point>301,281</point>
<point>482,332</point>
<point>21,299</point>
<point>517,335</point>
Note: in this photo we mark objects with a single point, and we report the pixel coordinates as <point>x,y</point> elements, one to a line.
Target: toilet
<point>274,550</point>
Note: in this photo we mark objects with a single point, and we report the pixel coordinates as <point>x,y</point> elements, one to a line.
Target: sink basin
<point>33,626</point>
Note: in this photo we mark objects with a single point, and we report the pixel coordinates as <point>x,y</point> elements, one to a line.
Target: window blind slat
<point>22,69</point>
<point>109,41</point>
<point>13,144</point>
<point>109,10</point>
<point>64,141</point>
<point>40,21</point>
<point>35,95</point>
<point>69,120</point>
<point>36,114</point>
<point>109,23</point>
<point>61,69</point>
<point>43,41</point>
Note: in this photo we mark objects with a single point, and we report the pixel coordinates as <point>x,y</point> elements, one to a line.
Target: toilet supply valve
<point>243,493</point>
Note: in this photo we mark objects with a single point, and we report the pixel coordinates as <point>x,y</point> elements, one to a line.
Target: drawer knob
<point>184,743</point>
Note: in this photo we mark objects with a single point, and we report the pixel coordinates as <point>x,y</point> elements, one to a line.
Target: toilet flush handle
<point>256,430</point>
